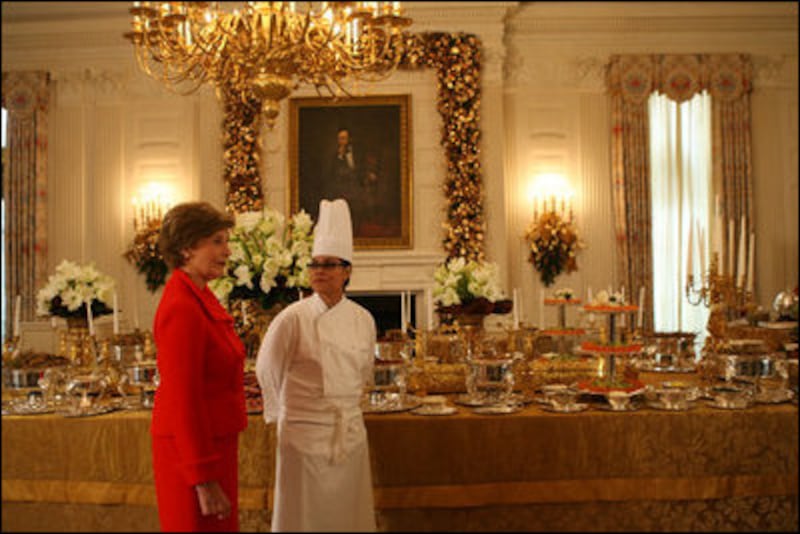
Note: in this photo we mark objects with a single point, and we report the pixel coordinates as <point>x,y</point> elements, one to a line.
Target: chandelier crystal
<point>262,51</point>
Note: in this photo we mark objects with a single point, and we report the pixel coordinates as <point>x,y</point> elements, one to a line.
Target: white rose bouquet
<point>71,287</point>
<point>468,286</point>
<point>269,258</point>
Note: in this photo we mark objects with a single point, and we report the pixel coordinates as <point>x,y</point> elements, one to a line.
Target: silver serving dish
<point>125,355</point>
<point>142,374</point>
<point>21,378</point>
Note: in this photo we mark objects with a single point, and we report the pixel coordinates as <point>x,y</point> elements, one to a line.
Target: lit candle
<point>750,262</point>
<point>408,308</point>
<point>89,318</point>
<point>640,318</point>
<point>17,311</point>
<point>116,315</point>
<point>741,254</point>
<point>716,244</point>
<point>244,313</point>
<point>135,311</point>
<point>589,295</point>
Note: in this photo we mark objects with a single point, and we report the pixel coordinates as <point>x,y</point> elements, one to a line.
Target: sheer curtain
<point>680,182</point>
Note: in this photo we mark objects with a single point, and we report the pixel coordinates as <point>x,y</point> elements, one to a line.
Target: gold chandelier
<point>265,50</point>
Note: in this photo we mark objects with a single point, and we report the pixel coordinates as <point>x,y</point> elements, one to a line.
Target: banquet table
<point>704,469</point>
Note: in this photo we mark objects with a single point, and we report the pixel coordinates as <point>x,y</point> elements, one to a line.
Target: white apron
<point>312,367</point>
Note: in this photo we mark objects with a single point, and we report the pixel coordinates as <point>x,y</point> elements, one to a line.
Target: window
<point>680,185</point>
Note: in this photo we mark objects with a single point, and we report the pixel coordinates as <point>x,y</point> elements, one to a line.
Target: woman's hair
<point>186,224</point>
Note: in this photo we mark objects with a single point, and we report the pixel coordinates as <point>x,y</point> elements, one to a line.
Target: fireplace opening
<point>385,309</point>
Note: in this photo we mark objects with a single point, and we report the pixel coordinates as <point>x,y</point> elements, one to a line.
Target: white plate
<point>572,408</point>
<point>90,412</point>
<point>658,405</point>
<point>424,410</point>
<point>730,406</point>
<point>466,400</point>
<point>777,397</point>
<point>632,407</point>
<point>26,409</point>
<point>395,408</point>
<point>497,409</point>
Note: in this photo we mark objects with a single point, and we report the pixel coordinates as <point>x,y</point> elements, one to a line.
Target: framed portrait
<point>357,149</point>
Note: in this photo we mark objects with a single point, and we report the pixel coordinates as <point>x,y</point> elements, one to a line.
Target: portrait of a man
<point>356,149</point>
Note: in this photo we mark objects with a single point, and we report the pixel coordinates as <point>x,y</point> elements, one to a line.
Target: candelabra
<point>718,288</point>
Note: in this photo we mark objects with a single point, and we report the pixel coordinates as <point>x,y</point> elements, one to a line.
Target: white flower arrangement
<point>459,282</point>
<point>71,287</point>
<point>565,293</point>
<point>269,258</point>
<point>604,298</point>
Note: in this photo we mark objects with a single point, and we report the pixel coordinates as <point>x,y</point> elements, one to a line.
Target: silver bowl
<point>21,378</point>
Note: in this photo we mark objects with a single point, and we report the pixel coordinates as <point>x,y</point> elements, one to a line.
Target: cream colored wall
<point>543,105</point>
<point>558,117</point>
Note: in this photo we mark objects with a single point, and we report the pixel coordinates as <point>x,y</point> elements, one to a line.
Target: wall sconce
<point>552,237</point>
<point>552,194</point>
<point>148,210</point>
<point>149,207</point>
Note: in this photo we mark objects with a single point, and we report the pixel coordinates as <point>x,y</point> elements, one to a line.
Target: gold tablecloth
<point>704,469</point>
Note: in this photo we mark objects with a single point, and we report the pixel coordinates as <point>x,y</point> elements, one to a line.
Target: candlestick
<point>116,315</point>
<point>740,274</point>
<point>541,307</point>
<point>515,309</point>
<point>701,244</point>
<point>403,311</point>
<point>750,262</point>
<point>429,306</point>
<point>689,257</point>
<point>17,311</point>
<point>731,230</point>
<point>640,318</point>
<point>89,317</point>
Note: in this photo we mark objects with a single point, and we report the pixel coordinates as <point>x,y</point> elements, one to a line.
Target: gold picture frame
<point>374,175</point>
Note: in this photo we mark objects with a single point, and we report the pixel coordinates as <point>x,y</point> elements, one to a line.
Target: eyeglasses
<point>330,265</point>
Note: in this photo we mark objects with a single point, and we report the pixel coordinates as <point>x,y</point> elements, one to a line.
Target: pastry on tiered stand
<point>611,346</point>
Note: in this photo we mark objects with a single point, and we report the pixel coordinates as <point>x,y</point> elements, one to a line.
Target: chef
<point>312,366</point>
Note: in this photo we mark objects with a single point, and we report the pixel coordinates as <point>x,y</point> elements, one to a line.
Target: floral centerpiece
<point>269,259</point>
<point>468,287</point>
<point>145,256</point>
<point>565,293</point>
<point>71,287</point>
<point>554,244</point>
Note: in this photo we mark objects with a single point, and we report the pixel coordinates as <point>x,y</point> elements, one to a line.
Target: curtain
<point>630,79</point>
<point>680,141</point>
<point>26,97</point>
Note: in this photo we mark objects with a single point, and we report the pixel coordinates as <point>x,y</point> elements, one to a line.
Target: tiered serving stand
<point>563,333</point>
<point>611,346</point>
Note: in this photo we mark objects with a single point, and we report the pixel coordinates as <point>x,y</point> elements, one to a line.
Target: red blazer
<point>201,366</point>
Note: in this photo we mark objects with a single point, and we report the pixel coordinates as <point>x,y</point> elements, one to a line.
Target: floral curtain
<point>26,97</point>
<point>630,79</point>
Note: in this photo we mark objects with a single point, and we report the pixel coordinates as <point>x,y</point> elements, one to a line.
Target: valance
<point>726,77</point>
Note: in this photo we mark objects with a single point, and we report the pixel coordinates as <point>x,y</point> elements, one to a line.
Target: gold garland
<point>457,60</point>
<point>241,142</point>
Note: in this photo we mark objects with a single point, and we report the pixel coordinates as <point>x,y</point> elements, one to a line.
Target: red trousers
<point>178,507</point>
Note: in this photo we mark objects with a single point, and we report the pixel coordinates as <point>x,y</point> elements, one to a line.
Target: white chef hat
<point>333,234</point>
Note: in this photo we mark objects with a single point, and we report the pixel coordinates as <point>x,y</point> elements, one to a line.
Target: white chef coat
<point>312,366</point>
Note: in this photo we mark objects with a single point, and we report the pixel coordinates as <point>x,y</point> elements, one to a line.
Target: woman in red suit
<point>199,407</point>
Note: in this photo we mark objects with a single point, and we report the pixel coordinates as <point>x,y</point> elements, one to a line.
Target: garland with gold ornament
<point>457,60</point>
